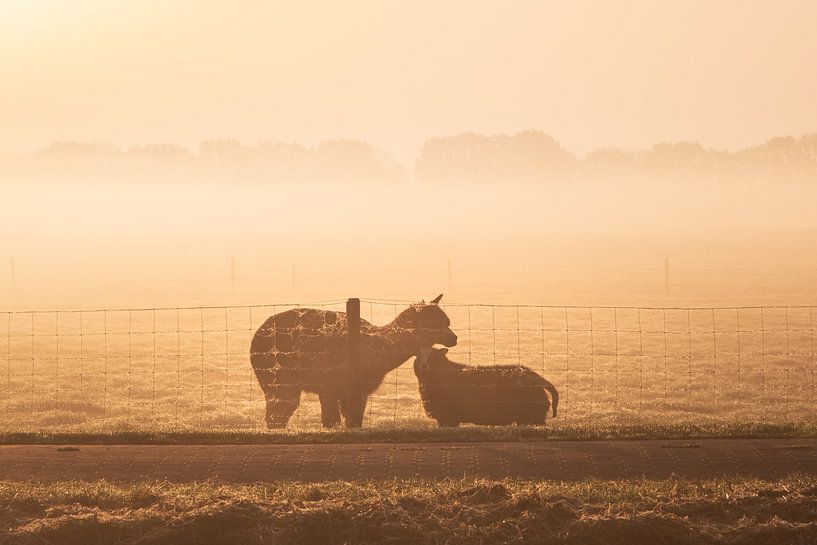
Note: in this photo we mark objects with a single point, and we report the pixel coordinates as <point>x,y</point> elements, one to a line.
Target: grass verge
<point>452,511</point>
<point>423,434</point>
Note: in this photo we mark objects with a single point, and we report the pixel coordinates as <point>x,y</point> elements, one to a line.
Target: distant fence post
<point>232,276</point>
<point>354,419</point>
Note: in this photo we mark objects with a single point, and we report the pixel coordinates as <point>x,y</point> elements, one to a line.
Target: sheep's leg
<point>281,403</point>
<point>330,410</point>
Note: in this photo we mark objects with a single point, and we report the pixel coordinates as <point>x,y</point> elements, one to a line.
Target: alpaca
<point>454,393</point>
<point>306,349</point>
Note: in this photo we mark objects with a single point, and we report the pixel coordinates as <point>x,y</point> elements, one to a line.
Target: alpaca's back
<point>301,346</point>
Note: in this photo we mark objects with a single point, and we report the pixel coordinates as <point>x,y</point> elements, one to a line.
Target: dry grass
<point>461,511</point>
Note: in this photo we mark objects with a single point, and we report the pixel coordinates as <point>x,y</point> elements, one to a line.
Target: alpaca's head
<point>428,359</point>
<point>428,322</point>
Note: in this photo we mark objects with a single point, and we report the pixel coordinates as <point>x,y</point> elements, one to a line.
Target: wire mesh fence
<point>189,368</point>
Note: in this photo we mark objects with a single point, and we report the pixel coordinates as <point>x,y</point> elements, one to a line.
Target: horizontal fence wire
<point>189,367</point>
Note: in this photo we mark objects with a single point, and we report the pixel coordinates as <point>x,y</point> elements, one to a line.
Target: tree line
<point>527,156</point>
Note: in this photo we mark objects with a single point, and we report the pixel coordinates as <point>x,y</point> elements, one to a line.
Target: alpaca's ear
<point>437,299</point>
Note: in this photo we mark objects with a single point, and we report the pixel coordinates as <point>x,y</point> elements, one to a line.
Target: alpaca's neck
<point>392,345</point>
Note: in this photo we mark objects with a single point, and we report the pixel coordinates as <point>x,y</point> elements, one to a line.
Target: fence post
<point>232,276</point>
<point>354,418</point>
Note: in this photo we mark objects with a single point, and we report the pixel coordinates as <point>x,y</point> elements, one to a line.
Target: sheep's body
<point>453,393</point>
<point>307,350</point>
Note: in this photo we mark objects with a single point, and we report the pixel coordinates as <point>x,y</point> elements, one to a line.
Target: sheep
<point>306,349</point>
<point>453,393</point>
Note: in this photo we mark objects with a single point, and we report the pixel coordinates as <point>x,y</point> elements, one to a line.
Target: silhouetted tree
<point>785,159</point>
<point>87,159</point>
<point>525,156</point>
<point>161,153</point>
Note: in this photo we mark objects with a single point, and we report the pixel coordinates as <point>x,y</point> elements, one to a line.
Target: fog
<point>500,210</point>
<point>87,244</point>
<point>160,153</point>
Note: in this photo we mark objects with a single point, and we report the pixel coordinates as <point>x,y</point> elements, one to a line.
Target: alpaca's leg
<point>330,410</point>
<point>281,403</point>
<point>353,410</point>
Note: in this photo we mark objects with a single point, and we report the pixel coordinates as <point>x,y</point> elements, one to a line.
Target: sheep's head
<point>429,358</point>
<point>429,323</point>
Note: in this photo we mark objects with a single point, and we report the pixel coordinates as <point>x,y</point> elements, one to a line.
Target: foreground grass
<point>458,511</point>
<point>424,434</point>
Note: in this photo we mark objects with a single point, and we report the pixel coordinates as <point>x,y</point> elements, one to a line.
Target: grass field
<point>457,511</point>
<point>188,369</point>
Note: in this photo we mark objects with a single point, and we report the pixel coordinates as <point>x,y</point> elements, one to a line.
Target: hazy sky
<point>726,73</point>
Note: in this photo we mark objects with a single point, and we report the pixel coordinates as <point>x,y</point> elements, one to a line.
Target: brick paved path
<point>556,460</point>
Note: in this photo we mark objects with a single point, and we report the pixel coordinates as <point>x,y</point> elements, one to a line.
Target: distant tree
<point>77,158</point>
<point>280,161</point>
<point>331,161</point>
<point>780,159</point>
<point>225,151</point>
<point>525,156</point>
<point>80,151</point>
<point>612,163</point>
<point>688,161</point>
<point>353,160</point>
<point>161,153</point>
<point>159,161</point>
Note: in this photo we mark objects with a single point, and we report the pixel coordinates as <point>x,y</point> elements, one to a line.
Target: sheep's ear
<point>437,299</point>
<point>422,301</point>
<point>442,351</point>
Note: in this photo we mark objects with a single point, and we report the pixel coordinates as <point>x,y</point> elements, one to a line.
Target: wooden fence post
<point>232,276</point>
<point>354,419</point>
